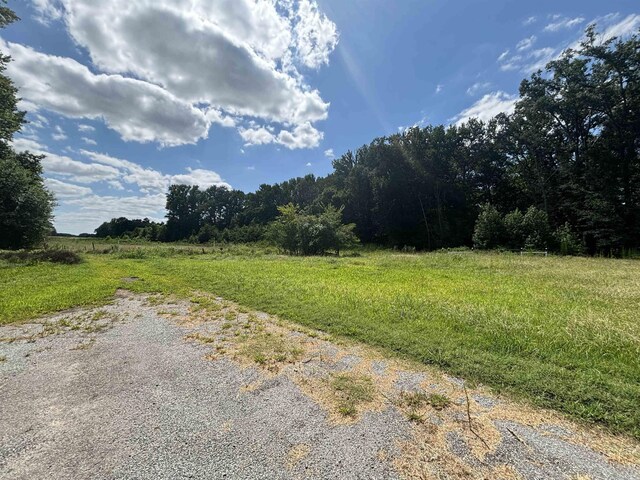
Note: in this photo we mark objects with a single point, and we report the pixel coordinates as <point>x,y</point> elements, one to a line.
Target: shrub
<point>66,257</point>
<point>489,228</point>
<point>567,241</point>
<point>299,233</point>
<point>515,234</point>
<point>536,228</point>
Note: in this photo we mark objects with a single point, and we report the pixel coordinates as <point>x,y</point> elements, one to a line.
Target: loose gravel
<point>120,393</point>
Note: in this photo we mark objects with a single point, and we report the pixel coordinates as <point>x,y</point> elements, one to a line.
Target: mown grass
<point>562,332</point>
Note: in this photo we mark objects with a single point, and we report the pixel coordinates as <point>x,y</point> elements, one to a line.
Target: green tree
<point>26,205</point>
<point>489,230</point>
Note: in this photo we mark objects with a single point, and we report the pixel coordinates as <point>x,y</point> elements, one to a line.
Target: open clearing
<point>157,387</point>
<point>562,333</point>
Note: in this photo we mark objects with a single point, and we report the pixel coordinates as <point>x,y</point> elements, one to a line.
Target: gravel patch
<point>143,403</point>
<point>120,393</point>
<point>410,381</point>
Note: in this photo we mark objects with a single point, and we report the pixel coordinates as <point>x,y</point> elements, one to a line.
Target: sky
<point>127,97</point>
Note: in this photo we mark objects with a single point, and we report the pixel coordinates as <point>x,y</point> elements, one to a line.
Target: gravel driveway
<point>148,388</point>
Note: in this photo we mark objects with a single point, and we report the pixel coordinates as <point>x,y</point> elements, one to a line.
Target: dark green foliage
<point>25,204</point>
<point>300,233</point>
<point>65,257</point>
<point>489,229</point>
<point>118,227</point>
<point>514,230</point>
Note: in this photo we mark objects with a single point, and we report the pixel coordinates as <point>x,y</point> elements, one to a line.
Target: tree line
<point>566,161</point>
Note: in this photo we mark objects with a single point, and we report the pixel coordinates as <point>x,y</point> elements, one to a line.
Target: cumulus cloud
<point>488,107</point>
<point>315,35</point>
<point>242,61</point>
<point>89,141</point>
<point>329,153</point>
<point>137,110</point>
<point>85,128</point>
<point>302,136</point>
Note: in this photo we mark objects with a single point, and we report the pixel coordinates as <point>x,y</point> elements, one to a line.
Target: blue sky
<point>127,97</point>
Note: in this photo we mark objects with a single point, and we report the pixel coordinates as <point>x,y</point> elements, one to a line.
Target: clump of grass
<point>99,315</point>
<point>200,338</point>
<point>269,350</point>
<point>205,304</point>
<point>351,390</point>
<point>416,400</point>
<point>437,401</point>
<point>414,416</point>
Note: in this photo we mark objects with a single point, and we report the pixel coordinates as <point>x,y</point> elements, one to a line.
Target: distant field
<point>562,332</point>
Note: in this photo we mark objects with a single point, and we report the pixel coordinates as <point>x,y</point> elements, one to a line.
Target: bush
<point>567,241</point>
<point>66,257</point>
<point>515,234</point>
<point>298,233</point>
<point>489,230</point>
<point>536,228</point>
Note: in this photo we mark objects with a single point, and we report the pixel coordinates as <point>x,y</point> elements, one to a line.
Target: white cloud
<point>478,87</point>
<point>85,128</point>
<point>439,88</point>
<point>64,190</point>
<point>301,136</point>
<point>241,63</point>
<point>149,180</point>
<point>488,107</point>
<point>530,21</point>
<point>503,55</point>
<point>198,176</point>
<point>89,141</point>
<point>256,136</point>
<point>624,27</point>
<point>315,35</point>
<point>526,43</point>
<point>308,164</point>
<point>561,23</point>
<point>137,110</point>
<point>46,11</point>
<point>329,153</point>
<point>58,134</point>
<point>80,209</point>
<point>531,60</point>
<point>86,213</point>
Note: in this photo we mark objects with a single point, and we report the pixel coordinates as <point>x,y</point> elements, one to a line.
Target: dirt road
<point>150,388</point>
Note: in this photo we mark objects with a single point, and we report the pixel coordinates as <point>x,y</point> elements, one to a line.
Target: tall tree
<point>26,205</point>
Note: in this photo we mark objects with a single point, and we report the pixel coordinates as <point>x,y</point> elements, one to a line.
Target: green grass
<point>352,390</point>
<point>562,332</point>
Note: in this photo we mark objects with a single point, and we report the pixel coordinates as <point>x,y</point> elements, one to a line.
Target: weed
<point>351,390</point>
<point>415,417</point>
<point>438,401</point>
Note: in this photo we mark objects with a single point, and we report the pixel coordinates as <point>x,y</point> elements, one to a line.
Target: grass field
<point>562,332</point>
